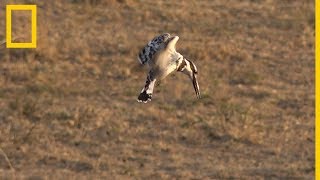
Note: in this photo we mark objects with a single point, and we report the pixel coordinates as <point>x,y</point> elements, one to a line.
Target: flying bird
<point>162,59</point>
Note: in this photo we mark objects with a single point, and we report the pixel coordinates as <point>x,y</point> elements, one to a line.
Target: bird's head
<point>190,69</point>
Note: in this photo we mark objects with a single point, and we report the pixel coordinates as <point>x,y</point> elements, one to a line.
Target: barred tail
<point>146,92</point>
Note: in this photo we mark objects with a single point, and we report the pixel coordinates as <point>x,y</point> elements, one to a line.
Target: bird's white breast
<point>166,62</point>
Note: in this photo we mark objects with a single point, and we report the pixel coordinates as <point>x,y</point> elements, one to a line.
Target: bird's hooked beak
<point>196,85</point>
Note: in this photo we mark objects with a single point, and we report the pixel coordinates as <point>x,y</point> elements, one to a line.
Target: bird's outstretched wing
<point>149,50</point>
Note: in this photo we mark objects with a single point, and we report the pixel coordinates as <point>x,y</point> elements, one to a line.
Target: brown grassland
<point>68,108</point>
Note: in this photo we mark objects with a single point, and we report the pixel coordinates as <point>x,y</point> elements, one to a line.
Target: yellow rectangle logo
<point>33,9</point>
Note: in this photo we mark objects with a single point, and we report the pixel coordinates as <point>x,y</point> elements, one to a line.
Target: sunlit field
<point>68,108</point>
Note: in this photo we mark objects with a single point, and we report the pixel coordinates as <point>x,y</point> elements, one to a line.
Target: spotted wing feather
<point>152,47</point>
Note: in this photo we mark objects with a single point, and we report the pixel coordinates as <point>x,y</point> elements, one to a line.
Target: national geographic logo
<point>9,39</point>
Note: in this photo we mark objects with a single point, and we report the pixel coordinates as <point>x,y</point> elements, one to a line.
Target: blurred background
<point>68,108</point>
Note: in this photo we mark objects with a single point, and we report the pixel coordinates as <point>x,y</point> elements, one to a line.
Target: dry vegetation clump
<point>68,108</point>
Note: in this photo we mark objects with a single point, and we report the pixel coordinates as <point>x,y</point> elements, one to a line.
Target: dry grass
<point>68,108</point>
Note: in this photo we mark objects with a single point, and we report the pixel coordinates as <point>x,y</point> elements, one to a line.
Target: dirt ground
<point>68,108</point>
